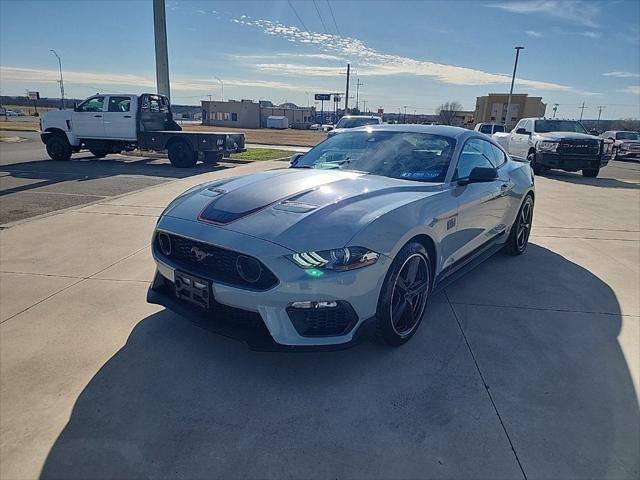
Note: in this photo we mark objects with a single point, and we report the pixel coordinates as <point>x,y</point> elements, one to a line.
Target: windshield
<point>628,136</point>
<point>546,126</point>
<point>356,122</point>
<point>407,155</point>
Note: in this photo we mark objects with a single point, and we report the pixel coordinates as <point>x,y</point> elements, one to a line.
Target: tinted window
<point>406,155</point>
<point>498,156</point>
<point>119,104</point>
<point>475,153</point>
<point>545,126</point>
<point>91,105</point>
<point>485,129</point>
<point>498,128</point>
<point>627,136</point>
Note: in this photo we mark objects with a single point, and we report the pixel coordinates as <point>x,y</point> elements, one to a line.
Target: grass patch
<point>254,154</point>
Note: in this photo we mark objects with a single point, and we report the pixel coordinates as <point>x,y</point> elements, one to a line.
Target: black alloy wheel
<point>519,236</point>
<point>58,148</point>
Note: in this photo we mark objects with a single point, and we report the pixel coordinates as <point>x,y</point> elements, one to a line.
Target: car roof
<point>444,130</point>
<point>360,116</point>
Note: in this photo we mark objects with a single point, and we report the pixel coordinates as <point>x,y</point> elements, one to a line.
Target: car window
<point>498,128</point>
<point>485,129</point>
<point>475,153</point>
<point>498,156</point>
<point>93,104</point>
<point>154,104</point>
<point>356,122</point>
<point>528,126</point>
<point>546,126</point>
<point>628,136</point>
<point>119,104</point>
<point>405,155</point>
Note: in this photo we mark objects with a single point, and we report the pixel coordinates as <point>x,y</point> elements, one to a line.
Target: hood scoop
<point>295,206</point>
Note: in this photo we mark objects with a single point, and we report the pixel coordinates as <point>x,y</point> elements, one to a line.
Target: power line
<point>334,18</point>
<point>320,16</point>
<point>297,16</point>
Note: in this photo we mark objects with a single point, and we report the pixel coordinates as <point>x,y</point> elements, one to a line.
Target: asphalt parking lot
<point>528,367</point>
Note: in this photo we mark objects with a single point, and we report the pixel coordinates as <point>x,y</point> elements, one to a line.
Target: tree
<point>448,111</point>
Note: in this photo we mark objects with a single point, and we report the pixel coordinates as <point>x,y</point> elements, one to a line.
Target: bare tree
<point>448,111</point>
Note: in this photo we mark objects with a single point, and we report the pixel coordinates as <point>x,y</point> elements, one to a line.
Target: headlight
<point>341,259</point>
<point>548,146</point>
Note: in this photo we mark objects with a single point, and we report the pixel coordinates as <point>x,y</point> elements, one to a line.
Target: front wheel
<point>590,172</point>
<point>403,298</point>
<point>521,229</point>
<point>58,147</point>
<point>537,168</point>
<point>98,153</point>
<point>181,154</point>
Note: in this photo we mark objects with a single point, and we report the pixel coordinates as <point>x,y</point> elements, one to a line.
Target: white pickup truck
<point>112,123</point>
<point>558,144</point>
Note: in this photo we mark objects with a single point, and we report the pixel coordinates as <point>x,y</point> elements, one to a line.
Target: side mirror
<point>295,158</point>
<point>480,175</point>
<point>329,129</point>
<point>594,132</point>
<point>522,131</point>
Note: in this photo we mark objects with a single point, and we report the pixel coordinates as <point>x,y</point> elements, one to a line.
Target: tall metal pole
<point>582,110</point>
<point>358,85</point>
<point>221,88</point>
<point>513,78</point>
<point>555,109</point>
<point>600,108</point>
<point>61,81</point>
<point>162,56</point>
<point>346,97</point>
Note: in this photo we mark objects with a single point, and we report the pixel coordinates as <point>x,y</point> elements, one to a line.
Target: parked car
<point>111,123</point>
<point>626,144</point>
<point>315,126</point>
<point>11,113</point>
<point>358,232</point>
<point>353,121</point>
<point>489,128</point>
<point>559,144</point>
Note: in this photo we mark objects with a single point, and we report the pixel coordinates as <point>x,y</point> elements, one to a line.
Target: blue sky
<point>415,53</point>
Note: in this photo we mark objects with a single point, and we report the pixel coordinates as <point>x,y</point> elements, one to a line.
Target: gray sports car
<point>358,231</point>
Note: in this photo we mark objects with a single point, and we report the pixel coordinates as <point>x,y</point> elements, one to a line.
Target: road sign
<point>33,95</point>
<point>323,96</point>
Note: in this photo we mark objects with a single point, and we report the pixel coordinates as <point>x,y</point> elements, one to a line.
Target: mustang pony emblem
<point>199,254</point>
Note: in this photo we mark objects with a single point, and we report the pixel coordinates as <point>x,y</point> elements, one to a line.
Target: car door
<point>518,141</point>
<point>88,118</point>
<point>482,207</point>
<point>119,119</point>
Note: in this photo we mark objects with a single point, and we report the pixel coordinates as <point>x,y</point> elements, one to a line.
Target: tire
<point>58,148</point>
<point>395,323</point>
<point>521,229</point>
<point>590,172</point>
<point>181,154</point>
<point>614,153</point>
<point>98,153</point>
<point>537,169</point>
<point>213,157</point>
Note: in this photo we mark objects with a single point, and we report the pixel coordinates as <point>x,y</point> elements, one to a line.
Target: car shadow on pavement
<point>179,401</point>
<point>577,178</point>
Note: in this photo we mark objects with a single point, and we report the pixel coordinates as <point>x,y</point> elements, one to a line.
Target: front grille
<point>211,262</point>
<point>579,147</point>
<point>323,322</point>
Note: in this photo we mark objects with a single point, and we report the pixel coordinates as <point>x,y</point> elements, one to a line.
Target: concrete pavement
<point>526,366</point>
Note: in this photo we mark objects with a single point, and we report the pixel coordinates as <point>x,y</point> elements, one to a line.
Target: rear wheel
<point>521,229</point>
<point>537,168</point>
<point>614,153</point>
<point>58,147</point>
<point>181,154</point>
<point>590,172</point>
<point>403,298</point>
<point>98,153</point>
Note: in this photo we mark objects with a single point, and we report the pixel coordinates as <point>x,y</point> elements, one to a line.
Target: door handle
<point>98,116</point>
<point>127,116</point>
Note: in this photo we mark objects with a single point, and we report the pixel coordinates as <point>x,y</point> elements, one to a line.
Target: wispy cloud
<point>573,11</point>
<point>622,74</point>
<point>589,34</point>
<point>633,89</point>
<point>372,62</point>
<point>533,33</point>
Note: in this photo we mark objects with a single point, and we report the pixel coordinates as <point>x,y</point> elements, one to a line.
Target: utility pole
<point>162,56</point>
<point>358,85</point>
<point>600,108</point>
<point>405,115</point>
<point>61,82</point>
<point>364,108</point>
<point>513,78</point>
<point>555,109</point>
<point>346,97</point>
<point>221,88</point>
<point>582,110</point>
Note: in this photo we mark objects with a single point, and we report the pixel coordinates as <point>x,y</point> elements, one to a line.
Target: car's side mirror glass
<point>522,131</point>
<point>480,175</point>
<point>295,158</point>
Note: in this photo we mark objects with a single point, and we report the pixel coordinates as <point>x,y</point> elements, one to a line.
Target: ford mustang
<point>358,231</point>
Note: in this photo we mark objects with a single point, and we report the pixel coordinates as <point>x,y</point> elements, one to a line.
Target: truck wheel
<point>98,153</point>
<point>58,147</point>
<point>614,153</point>
<point>537,169</point>
<point>213,157</point>
<point>590,172</point>
<point>181,154</point>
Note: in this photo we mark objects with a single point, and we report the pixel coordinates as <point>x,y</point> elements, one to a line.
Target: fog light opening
<point>249,269</point>
<point>165,243</point>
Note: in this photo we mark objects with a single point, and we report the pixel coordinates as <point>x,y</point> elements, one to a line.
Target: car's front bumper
<point>623,153</point>
<point>357,289</point>
<point>570,162</point>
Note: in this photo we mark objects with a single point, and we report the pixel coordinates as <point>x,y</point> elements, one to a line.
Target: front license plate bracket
<point>193,289</point>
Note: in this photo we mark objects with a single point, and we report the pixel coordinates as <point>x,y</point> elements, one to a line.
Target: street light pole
<point>61,81</point>
<point>162,56</point>
<point>221,88</point>
<point>513,78</point>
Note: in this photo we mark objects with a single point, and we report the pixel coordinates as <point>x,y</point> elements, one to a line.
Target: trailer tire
<point>213,157</point>
<point>181,155</point>
<point>98,153</point>
<point>58,148</point>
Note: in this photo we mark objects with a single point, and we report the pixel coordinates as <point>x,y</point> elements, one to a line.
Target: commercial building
<point>493,108</point>
<point>250,114</point>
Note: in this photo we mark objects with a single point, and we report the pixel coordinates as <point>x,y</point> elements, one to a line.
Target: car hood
<point>56,117</point>
<point>300,209</point>
<point>567,135</point>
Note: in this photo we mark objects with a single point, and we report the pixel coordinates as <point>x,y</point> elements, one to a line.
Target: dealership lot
<point>526,366</point>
